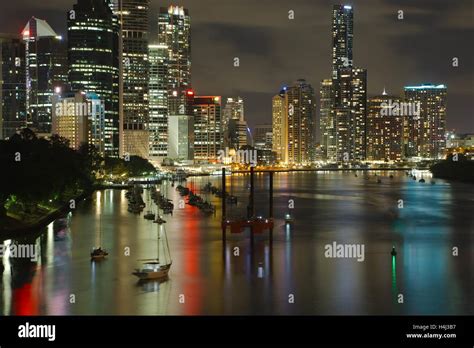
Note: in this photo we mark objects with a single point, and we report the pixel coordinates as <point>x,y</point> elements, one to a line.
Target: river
<point>431,227</point>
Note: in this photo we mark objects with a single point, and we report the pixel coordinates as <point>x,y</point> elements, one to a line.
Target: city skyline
<point>433,42</point>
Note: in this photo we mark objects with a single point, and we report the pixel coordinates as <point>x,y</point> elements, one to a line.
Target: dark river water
<point>292,277</point>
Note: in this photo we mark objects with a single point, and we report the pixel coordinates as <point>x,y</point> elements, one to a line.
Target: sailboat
<point>156,268</point>
<point>99,253</point>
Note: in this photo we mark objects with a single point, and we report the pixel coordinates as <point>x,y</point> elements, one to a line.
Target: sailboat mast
<point>158,245</point>
<point>167,245</point>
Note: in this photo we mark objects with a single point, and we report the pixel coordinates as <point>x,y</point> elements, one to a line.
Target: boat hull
<point>148,275</point>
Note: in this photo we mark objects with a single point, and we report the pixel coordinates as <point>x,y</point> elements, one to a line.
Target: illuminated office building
<point>208,137</point>
<point>133,18</point>
<point>12,85</point>
<point>174,31</point>
<point>158,103</point>
<point>46,72</point>
<point>93,56</point>
<point>384,129</point>
<point>425,133</point>
<point>293,123</point>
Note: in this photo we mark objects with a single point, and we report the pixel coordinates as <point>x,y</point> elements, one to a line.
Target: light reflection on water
<point>329,207</point>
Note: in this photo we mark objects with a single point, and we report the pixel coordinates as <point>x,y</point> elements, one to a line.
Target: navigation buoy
<point>393,252</point>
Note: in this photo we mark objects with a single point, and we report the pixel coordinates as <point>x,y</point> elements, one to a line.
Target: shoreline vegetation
<point>43,179</point>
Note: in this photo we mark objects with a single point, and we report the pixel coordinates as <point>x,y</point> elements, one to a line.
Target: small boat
<point>149,216</point>
<point>288,218</point>
<point>152,270</point>
<point>159,220</point>
<point>414,177</point>
<point>98,253</point>
<point>421,180</point>
<point>156,268</point>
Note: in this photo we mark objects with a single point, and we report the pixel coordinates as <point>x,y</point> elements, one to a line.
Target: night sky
<point>275,51</point>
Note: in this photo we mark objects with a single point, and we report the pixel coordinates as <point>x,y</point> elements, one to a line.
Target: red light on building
<point>190,92</point>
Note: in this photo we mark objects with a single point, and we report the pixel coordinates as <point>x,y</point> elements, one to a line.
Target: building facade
<point>425,129</point>
<point>293,124</point>
<point>133,19</point>
<point>94,60</point>
<point>158,102</point>
<point>384,129</point>
<point>12,85</point>
<point>348,97</point>
<point>174,31</point>
<point>279,127</point>
<point>46,72</point>
<point>208,136</point>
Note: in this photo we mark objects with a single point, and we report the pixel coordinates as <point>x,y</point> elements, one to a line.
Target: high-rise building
<point>293,123</point>
<point>327,125</point>
<point>237,134</point>
<point>12,85</point>
<point>358,105</point>
<point>158,102</point>
<point>263,136</point>
<point>46,71</point>
<point>208,137</point>
<point>93,56</point>
<point>349,92</point>
<point>342,38</point>
<point>174,31</point>
<point>384,129</point>
<point>280,126</point>
<point>233,124</point>
<point>181,138</point>
<point>79,117</point>
<point>133,18</point>
<point>425,129</point>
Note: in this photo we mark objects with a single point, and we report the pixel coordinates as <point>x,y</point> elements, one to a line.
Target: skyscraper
<point>293,123</point>
<point>342,38</point>
<point>174,31</point>
<point>208,137</point>
<point>46,71</point>
<point>280,126</point>
<point>93,56</point>
<point>158,102</point>
<point>349,91</point>
<point>426,131</point>
<point>384,129</point>
<point>326,122</point>
<point>234,126</point>
<point>12,85</point>
<point>133,18</point>
<point>79,117</point>
<point>262,136</point>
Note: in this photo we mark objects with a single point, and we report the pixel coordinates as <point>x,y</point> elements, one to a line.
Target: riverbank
<point>14,228</point>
